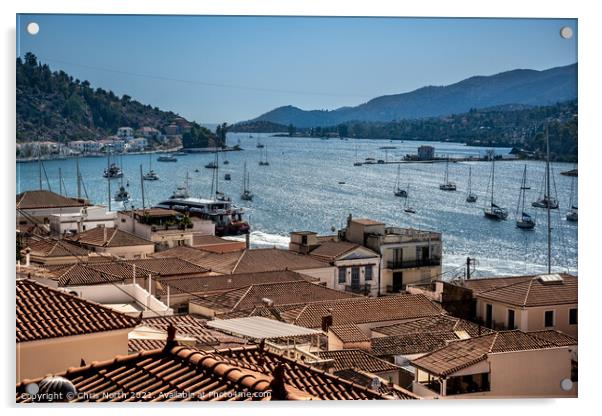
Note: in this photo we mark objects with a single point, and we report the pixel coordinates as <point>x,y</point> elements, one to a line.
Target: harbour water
<point>301,189</point>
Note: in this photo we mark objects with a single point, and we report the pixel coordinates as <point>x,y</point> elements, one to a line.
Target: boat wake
<point>259,239</point>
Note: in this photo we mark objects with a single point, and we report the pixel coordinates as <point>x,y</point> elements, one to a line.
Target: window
<point>368,273</point>
<point>342,274</point>
<point>488,315</point>
<point>573,316</point>
<point>510,321</point>
<point>548,319</point>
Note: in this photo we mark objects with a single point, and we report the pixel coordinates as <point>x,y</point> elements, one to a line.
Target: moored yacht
<point>225,215</point>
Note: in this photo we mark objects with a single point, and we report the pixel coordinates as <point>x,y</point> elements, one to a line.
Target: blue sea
<point>301,190</point>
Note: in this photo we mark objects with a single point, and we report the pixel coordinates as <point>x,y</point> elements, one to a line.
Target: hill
<point>520,86</point>
<point>55,106</point>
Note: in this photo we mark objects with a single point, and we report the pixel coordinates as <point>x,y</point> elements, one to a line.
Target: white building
<point>59,212</point>
<point>164,227</point>
<point>125,132</point>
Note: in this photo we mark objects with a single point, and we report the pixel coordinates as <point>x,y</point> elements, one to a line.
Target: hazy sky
<point>214,69</point>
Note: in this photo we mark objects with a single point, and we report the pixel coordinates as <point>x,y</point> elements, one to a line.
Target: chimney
<point>349,218</point>
<point>327,321</point>
<point>104,234</point>
<point>247,241</point>
<point>171,338</point>
<point>277,383</point>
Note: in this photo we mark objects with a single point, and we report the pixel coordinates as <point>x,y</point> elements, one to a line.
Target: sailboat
<point>357,162</point>
<point>264,162</point>
<point>181,191</point>
<point>523,219</point>
<point>246,193</point>
<point>572,215</point>
<point>406,207</point>
<point>112,171</point>
<point>398,191</point>
<point>447,185</point>
<point>150,175</point>
<point>122,194</point>
<point>470,197</point>
<point>494,211</point>
<point>546,200</point>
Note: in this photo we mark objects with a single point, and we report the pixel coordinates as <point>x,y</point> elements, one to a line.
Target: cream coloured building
<point>407,256</point>
<point>52,336</point>
<point>507,364</point>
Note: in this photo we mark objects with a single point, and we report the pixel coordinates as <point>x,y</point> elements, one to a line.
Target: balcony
<point>359,289</point>
<point>408,264</point>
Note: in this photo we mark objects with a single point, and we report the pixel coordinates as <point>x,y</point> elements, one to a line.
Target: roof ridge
<point>243,254</point>
<point>528,291</point>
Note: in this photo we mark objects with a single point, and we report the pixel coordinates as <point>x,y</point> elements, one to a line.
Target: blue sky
<point>213,69</point>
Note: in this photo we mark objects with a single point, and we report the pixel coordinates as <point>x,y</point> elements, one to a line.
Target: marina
<point>295,192</point>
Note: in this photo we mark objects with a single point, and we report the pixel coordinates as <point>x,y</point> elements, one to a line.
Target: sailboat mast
<point>469,180</point>
<point>492,176</point>
<point>547,199</point>
<point>39,167</point>
<point>60,182</point>
<point>142,187</point>
<point>109,179</point>
<point>79,187</point>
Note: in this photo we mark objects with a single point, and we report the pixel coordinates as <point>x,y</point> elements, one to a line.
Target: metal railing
<point>360,289</point>
<point>406,264</point>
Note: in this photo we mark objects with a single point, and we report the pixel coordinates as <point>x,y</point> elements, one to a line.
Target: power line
<point>207,84</point>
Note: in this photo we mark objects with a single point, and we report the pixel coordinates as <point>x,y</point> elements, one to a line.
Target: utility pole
<point>547,198</point>
<point>79,188</point>
<point>142,188</point>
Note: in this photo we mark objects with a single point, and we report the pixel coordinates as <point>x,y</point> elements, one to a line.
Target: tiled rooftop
<point>330,250</point>
<point>246,261</point>
<point>349,333</point>
<point>282,293</point>
<point>188,326</point>
<point>555,337</point>
<point>43,312</point>
<point>534,292</point>
<point>45,199</point>
<point>220,283</point>
<point>54,248</point>
<point>182,373</point>
<point>357,359</point>
<point>103,271</point>
<point>108,237</point>
<point>461,354</point>
<point>361,310</point>
<point>432,324</point>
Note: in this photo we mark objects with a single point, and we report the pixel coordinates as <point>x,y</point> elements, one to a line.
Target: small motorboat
<point>122,194</point>
<point>167,159</point>
<point>227,177</point>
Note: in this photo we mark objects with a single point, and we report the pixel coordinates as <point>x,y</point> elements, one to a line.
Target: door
<point>397,281</point>
<point>488,315</point>
<point>355,277</point>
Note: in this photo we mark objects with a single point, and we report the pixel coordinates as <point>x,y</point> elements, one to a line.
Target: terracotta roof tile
<point>271,259</point>
<point>108,237</point>
<point>211,284</point>
<point>247,298</point>
<point>534,292</point>
<point>188,326</point>
<point>357,359</point>
<point>45,199</point>
<point>43,312</point>
<point>461,354</point>
<point>103,271</point>
<point>349,333</point>
<point>183,373</point>
<point>55,248</point>
<point>218,262</point>
<point>361,310</point>
<point>555,337</point>
<point>432,324</point>
<point>331,250</point>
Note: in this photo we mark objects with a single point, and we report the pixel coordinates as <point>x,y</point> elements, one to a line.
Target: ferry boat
<point>225,215</point>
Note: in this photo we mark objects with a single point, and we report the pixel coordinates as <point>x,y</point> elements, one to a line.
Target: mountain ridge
<point>517,86</point>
